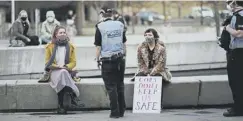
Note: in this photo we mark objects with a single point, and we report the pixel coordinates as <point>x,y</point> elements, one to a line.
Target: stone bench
<point>183,91</point>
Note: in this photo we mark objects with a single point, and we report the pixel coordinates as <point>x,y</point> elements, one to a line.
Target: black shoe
<point>232,112</point>
<point>66,100</point>
<point>112,116</point>
<point>121,115</point>
<point>61,111</point>
<point>76,102</point>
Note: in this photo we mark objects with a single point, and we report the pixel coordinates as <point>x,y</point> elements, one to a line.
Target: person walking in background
<point>60,59</point>
<point>70,22</point>
<point>110,42</point>
<point>48,26</point>
<point>19,32</point>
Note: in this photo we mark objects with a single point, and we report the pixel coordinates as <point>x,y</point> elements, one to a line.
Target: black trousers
<point>113,77</point>
<point>235,77</point>
<point>34,40</point>
<point>60,95</point>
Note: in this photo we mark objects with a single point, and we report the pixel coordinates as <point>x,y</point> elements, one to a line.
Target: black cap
<point>106,9</point>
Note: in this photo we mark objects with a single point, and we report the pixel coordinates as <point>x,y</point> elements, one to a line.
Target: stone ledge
<point>183,91</point>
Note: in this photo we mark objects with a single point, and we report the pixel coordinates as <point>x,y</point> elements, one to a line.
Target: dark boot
<point>232,113</point>
<point>75,101</point>
<point>60,109</point>
<point>66,100</point>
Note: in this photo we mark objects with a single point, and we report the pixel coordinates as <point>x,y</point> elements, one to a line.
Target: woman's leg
<point>61,109</point>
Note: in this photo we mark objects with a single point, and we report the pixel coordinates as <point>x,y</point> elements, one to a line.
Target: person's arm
<point>97,43</point>
<point>141,64</point>
<point>16,31</point>
<point>124,43</point>
<point>161,64</point>
<point>233,32</point>
<point>72,60</point>
<point>43,31</point>
<point>48,57</point>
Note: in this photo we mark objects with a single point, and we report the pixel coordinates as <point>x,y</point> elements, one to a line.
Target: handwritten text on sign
<point>147,94</point>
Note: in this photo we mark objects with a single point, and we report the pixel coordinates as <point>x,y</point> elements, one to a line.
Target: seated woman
<point>60,59</point>
<point>151,55</point>
<point>48,26</point>
<point>19,32</point>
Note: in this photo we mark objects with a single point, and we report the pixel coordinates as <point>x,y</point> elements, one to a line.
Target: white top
<point>60,55</point>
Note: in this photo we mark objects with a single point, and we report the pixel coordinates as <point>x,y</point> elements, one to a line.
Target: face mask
<point>149,39</point>
<point>62,40</point>
<point>23,18</point>
<point>50,19</point>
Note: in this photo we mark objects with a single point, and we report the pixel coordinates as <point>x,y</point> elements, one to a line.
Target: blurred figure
<point>19,32</point>
<point>70,22</point>
<point>48,26</point>
<point>127,19</point>
<point>71,15</point>
<point>150,20</point>
<point>118,17</point>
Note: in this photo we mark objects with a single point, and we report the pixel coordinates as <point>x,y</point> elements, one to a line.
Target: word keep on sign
<point>147,94</point>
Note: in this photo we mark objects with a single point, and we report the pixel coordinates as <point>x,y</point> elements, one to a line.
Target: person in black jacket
<point>235,58</point>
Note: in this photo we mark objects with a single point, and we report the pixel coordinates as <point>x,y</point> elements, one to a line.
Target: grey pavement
<point>165,115</point>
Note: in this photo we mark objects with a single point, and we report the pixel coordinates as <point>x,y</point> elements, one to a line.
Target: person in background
<point>70,15</point>
<point>48,26</point>
<point>19,32</point>
<point>118,17</point>
<point>70,23</point>
<point>60,59</point>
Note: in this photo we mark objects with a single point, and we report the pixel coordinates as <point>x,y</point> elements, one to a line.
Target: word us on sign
<point>147,94</point>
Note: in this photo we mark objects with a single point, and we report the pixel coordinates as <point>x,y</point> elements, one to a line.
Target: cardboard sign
<point>147,94</point>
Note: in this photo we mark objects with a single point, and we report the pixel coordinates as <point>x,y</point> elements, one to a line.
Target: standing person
<point>48,26</point>
<point>235,58</point>
<point>60,59</point>
<point>19,32</point>
<point>110,42</point>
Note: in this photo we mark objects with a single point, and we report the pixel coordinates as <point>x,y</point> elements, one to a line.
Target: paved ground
<point>166,115</point>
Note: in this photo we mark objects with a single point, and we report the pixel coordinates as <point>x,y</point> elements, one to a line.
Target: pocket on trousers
<point>108,67</point>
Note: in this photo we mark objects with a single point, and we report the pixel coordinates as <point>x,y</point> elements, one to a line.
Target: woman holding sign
<point>151,55</point>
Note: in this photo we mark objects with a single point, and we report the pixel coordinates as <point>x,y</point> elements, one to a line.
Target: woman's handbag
<point>166,75</point>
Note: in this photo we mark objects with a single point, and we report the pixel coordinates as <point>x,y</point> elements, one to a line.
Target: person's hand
<point>28,40</point>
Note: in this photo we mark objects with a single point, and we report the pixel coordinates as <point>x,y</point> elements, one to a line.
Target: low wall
<point>180,56</point>
<point>183,91</point>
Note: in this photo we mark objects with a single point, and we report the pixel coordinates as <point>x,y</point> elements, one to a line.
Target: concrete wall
<point>183,91</point>
<point>180,56</point>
